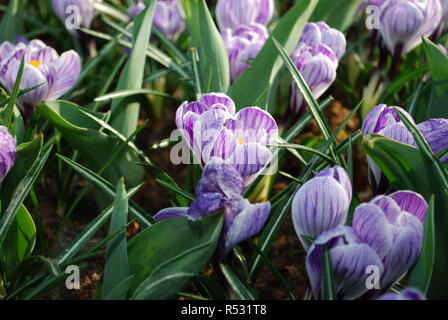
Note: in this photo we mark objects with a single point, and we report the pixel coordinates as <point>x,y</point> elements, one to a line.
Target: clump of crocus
<point>404,22</point>
<point>243,44</point>
<point>233,14</point>
<point>406,294</point>
<point>167,17</point>
<point>387,234</point>
<point>221,188</point>
<point>8,152</point>
<point>43,66</point>
<point>317,58</point>
<point>385,121</point>
<point>79,13</point>
<point>321,204</point>
<point>212,129</point>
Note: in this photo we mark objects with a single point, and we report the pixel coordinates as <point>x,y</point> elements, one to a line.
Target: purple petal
<point>211,99</point>
<point>235,13</point>
<point>341,176</point>
<point>68,69</point>
<point>266,11</point>
<point>406,294</point>
<point>435,132</point>
<point>257,126</point>
<point>169,213</point>
<point>412,203</point>
<point>8,152</point>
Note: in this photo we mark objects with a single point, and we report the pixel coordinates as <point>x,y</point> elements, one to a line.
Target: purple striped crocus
<point>435,132</point>
<point>167,17</point>
<point>321,204</point>
<point>317,58</point>
<point>404,22</point>
<point>212,129</point>
<point>43,66</point>
<point>76,13</point>
<point>393,226</point>
<point>8,152</point>
<point>243,44</point>
<point>406,294</point>
<point>221,188</point>
<point>350,259</point>
<point>232,14</point>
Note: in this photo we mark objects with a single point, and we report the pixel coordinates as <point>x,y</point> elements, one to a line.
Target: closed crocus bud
<point>393,226</point>
<point>350,259</point>
<point>406,294</point>
<point>8,152</point>
<point>243,44</point>
<point>385,121</point>
<point>221,188</point>
<point>404,22</point>
<point>43,66</point>
<point>75,13</point>
<point>233,14</point>
<point>435,132</point>
<point>212,129</point>
<point>321,204</point>
<point>320,33</point>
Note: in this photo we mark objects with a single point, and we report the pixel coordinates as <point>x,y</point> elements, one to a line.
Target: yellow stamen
<point>35,63</point>
<point>240,140</point>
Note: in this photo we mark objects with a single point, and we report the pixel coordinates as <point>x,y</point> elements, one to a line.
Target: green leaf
<point>162,257</point>
<point>116,272</point>
<point>438,66</point>
<point>328,285</point>
<point>241,289</point>
<point>206,39</point>
<point>19,242</point>
<point>263,70</point>
<point>84,134</point>
<point>9,24</point>
<point>337,14</point>
<point>422,272</point>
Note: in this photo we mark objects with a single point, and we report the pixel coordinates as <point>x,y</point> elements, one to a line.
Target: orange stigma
<point>35,63</point>
<point>240,140</point>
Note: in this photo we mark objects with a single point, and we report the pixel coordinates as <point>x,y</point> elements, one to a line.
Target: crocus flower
<point>435,132</point>
<point>316,57</point>
<point>404,22</point>
<point>233,14</point>
<point>212,129</point>
<point>43,66</point>
<point>350,258</point>
<point>406,294</point>
<point>167,17</point>
<point>221,188</point>
<point>242,44</point>
<point>322,203</point>
<point>393,226</point>
<point>8,152</point>
<point>82,9</point>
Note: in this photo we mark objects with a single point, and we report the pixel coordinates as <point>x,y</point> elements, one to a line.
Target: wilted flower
<point>404,22</point>
<point>406,294</point>
<point>8,152</point>
<point>167,17</point>
<point>393,226</point>
<point>81,11</point>
<point>43,66</point>
<point>221,188</point>
<point>322,203</point>
<point>316,57</point>
<point>350,258</point>
<point>243,44</point>
<point>212,129</point>
<point>236,13</point>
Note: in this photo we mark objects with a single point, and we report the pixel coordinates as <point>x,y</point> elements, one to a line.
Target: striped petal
<point>211,99</point>
<point>8,152</point>
<point>257,125</point>
<point>412,203</point>
<point>68,69</point>
<point>169,213</point>
<point>435,132</point>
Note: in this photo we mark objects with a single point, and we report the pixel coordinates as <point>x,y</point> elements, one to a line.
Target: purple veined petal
<point>435,132</point>
<point>381,117</point>
<point>335,40</point>
<point>180,113</point>
<point>371,119</point>
<point>168,213</point>
<point>210,99</point>
<point>257,123</point>
<point>341,176</point>
<point>193,107</point>
<point>192,132</point>
<point>412,203</point>
<point>265,11</point>
<point>220,177</point>
<point>246,224</point>
<point>225,144</point>
<point>136,9</point>
<point>406,294</point>
<point>389,206</point>
<point>206,204</point>
<point>235,13</point>
<point>84,10</point>
<point>214,118</point>
<point>168,19</point>
<point>31,77</point>
<point>405,251</point>
<point>311,34</point>
<point>45,55</point>
<point>240,63</point>
<point>320,204</point>
<point>399,132</point>
<point>433,16</point>
<point>68,68</point>
<point>373,228</point>
<point>6,50</point>
<point>251,32</point>
<point>8,152</point>
<point>350,259</point>
<point>249,159</point>
<point>376,176</point>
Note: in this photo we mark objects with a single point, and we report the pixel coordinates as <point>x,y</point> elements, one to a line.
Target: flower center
<point>35,63</point>
<point>240,140</point>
